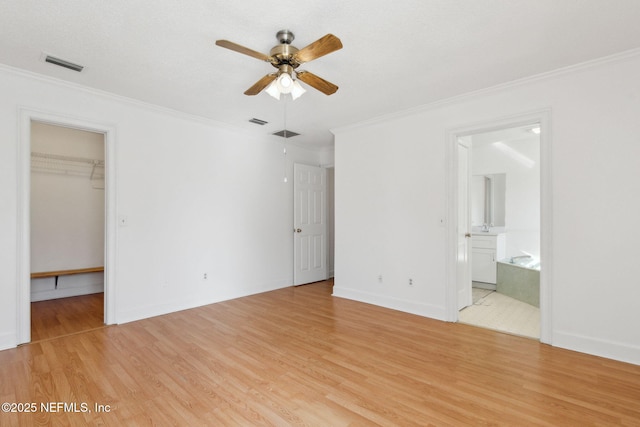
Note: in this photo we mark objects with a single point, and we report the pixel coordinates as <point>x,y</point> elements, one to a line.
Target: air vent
<point>286,133</point>
<point>62,63</point>
<point>258,121</point>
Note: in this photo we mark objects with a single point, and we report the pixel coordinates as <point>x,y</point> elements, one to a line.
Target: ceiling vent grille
<point>62,63</point>
<point>285,133</point>
<point>258,121</point>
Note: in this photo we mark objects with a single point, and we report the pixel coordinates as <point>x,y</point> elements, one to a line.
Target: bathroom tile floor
<point>493,310</point>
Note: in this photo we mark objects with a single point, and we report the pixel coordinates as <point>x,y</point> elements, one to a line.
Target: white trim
<point>141,312</point>
<point>576,68</point>
<point>23,236</point>
<point>407,306</point>
<point>451,224</point>
<point>23,282</point>
<point>543,117</point>
<point>120,98</point>
<point>603,348</point>
<point>7,341</point>
<point>546,229</point>
<point>93,288</point>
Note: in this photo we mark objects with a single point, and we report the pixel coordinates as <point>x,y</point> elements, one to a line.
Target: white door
<point>309,224</point>
<point>464,228</point>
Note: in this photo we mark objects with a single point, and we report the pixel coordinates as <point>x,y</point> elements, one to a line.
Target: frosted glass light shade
<point>285,84</point>
<point>297,90</point>
<point>272,90</point>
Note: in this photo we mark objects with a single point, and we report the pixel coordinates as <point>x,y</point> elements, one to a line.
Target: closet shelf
<point>68,165</point>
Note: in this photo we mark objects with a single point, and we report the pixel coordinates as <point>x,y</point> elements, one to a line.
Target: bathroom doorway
<point>505,231</point>
<point>507,204</point>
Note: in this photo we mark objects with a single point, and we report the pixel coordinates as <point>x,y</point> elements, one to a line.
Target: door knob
<point>467,234</point>
<point>297,230</point>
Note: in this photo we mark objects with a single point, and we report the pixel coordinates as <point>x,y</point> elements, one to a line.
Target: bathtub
<point>519,278</point>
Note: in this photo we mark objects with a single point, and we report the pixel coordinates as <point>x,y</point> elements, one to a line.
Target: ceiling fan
<point>287,58</point>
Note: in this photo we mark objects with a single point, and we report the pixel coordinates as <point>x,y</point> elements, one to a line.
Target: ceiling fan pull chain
<point>285,116</point>
<point>284,139</point>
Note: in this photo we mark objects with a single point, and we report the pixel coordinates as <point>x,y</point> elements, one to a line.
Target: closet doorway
<point>23,231</point>
<point>67,230</point>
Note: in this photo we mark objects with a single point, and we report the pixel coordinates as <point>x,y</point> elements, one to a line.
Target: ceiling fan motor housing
<point>283,54</point>
<point>285,36</point>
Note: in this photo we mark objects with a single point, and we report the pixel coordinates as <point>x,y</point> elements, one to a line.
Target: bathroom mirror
<point>488,199</point>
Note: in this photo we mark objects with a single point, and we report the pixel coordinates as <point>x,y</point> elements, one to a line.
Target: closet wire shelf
<point>69,165</point>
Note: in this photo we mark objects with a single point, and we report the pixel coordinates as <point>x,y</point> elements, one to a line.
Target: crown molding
<point>120,98</point>
<point>144,105</point>
<point>582,66</point>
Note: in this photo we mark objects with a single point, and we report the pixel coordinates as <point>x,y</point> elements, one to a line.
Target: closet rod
<point>59,157</point>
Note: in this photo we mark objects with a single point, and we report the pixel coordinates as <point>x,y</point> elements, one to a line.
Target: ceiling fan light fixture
<point>283,85</point>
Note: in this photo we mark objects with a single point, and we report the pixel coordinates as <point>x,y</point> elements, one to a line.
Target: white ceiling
<point>396,55</point>
<point>507,136</point>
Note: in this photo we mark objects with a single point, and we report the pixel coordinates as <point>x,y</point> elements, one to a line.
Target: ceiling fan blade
<point>316,82</point>
<point>260,84</point>
<point>244,50</point>
<point>318,48</point>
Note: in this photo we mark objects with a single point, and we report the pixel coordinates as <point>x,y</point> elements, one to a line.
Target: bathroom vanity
<point>486,249</point>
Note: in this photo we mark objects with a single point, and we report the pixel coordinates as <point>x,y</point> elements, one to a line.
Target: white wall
<point>67,212</point>
<point>522,195</point>
<point>391,193</point>
<point>199,197</point>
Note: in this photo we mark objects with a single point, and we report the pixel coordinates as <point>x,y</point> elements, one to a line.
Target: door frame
<point>23,229</point>
<point>543,118</point>
<point>468,294</point>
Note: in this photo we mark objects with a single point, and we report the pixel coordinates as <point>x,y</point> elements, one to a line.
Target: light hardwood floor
<point>298,356</point>
<point>65,316</point>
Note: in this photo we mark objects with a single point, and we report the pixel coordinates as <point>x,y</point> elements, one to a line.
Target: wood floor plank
<point>298,356</point>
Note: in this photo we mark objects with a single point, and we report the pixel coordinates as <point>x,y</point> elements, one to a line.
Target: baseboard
<point>67,292</point>
<point>153,310</point>
<point>8,341</point>
<point>425,310</point>
<point>597,347</point>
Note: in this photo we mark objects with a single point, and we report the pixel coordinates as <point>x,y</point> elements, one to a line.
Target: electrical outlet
<point>380,278</point>
<point>204,276</point>
<point>410,282</point>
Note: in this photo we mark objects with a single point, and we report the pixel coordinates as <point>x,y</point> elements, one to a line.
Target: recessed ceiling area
<point>394,57</point>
